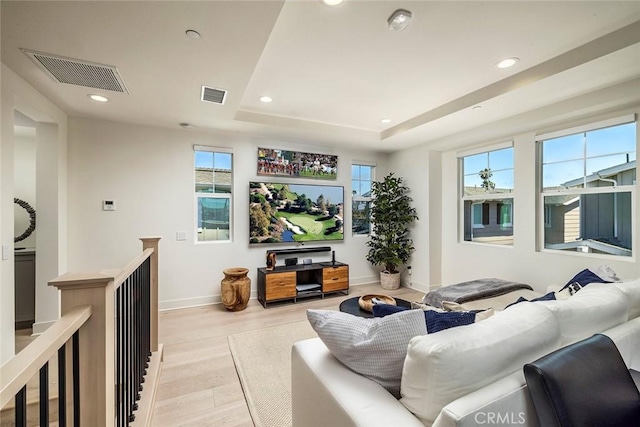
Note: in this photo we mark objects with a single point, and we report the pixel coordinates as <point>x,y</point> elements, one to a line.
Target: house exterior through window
<point>588,178</point>
<point>487,196</point>
<point>213,193</point>
<point>361,177</point>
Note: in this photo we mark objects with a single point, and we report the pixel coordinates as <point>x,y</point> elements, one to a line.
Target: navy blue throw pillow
<point>381,310</point>
<point>518,301</point>
<point>551,296</point>
<point>437,322</point>
<point>585,277</point>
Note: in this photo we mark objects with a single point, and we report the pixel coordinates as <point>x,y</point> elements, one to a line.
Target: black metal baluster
<point>147,315</point>
<point>21,407</point>
<point>140,356</point>
<point>62,385</point>
<point>130,335</point>
<point>44,395</point>
<point>117,357</point>
<point>134,325</point>
<point>125,340</point>
<point>76,379</point>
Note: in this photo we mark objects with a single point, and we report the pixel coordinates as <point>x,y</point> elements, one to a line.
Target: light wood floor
<point>198,384</point>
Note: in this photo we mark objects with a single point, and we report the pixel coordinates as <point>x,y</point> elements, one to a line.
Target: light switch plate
<point>5,252</point>
<point>181,235</point>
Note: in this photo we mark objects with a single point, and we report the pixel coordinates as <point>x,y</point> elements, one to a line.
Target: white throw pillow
<point>631,289</point>
<point>372,347</point>
<point>595,308</point>
<point>443,367</point>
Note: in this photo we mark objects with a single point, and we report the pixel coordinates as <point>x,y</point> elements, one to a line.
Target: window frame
<point>481,199</point>
<point>544,219</point>
<point>198,195</point>
<point>360,198</point>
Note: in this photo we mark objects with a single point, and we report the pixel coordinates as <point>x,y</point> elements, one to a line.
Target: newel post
<point>152,243</point>
<point>96,347</point>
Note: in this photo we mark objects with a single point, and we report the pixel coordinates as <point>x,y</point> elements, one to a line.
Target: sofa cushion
<point>374,347</point>
<point>443,367</point>
<point>632,290</point>
<point>595,308</point>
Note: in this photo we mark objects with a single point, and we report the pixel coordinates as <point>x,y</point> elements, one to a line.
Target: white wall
<point>149,173</point>
<point>414,166</point>
<point>465,260</point>
<point>17,94</point>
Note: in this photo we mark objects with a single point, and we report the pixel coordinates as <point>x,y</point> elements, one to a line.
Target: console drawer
<point>280,285</point>
<point>335,278</point>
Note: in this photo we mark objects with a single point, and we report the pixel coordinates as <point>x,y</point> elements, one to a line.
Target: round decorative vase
<point>389,280</point>
<point>235,288</point>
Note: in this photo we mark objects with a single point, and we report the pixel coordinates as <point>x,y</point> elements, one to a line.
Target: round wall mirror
<point>32,220</point>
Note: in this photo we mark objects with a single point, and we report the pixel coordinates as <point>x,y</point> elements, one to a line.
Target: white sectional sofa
<point>464,376</point>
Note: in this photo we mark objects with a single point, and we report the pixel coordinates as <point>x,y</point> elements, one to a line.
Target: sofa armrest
<point>324,392</point>
<point>504,402</point>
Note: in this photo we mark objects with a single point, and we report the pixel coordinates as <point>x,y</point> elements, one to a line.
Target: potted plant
<point>391,215</point>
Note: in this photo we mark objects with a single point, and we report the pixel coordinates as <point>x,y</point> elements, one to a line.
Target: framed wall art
<point>295,164</point>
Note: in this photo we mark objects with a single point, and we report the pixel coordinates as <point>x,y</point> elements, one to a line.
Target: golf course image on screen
<point>280,213</point>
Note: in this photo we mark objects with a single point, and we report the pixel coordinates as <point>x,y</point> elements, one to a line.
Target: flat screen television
<point>287,213</point>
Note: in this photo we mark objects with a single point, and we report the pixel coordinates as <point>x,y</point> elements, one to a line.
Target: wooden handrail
<point>132,266</point>
<point>17,371</point>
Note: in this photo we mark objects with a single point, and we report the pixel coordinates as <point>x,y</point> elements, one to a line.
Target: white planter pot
<point>389,280</point>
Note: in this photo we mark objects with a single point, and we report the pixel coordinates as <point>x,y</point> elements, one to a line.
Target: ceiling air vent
<point>211,94</point>
<point>77,72</point>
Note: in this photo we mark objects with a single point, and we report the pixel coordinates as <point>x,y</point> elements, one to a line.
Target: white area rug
<point>263,362</point>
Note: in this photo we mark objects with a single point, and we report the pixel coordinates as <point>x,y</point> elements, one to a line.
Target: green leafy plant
<point>389,244</point>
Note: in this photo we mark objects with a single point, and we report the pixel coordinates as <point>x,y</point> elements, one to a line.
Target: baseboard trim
<point>178,304</point>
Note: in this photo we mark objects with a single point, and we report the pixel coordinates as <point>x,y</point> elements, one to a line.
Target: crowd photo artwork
<point>275,162</point>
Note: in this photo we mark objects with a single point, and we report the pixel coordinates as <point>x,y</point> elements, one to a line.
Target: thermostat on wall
<point>108,205</point>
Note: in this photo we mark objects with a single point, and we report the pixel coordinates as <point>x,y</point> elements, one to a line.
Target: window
<point>361,178</point>
<point>588,178</point>
<point>213,193</point>
<point>487,196</point>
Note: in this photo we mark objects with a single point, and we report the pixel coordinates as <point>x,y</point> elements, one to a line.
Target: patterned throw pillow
<point>375,347</point>
<point>435,321</point>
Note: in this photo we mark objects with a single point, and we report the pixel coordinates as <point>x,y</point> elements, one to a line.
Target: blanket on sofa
<point>472,290</point>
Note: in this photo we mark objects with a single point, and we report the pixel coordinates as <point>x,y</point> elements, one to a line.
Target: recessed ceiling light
<point>385,121</point>
<point>399,20</point>
<point>98,98</point>
<point>266,99</point>
<point>476,107</point>
<point>332,2</point>
<point>508,62</point>
<point>186,126</point>
<point>192,34</point>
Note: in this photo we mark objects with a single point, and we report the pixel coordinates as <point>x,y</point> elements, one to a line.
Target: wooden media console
<point>302,280</point>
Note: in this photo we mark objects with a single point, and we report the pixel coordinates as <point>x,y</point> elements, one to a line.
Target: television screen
<point>280,213</point>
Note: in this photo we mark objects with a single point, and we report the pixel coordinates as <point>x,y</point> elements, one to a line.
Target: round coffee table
<point>351,306</point>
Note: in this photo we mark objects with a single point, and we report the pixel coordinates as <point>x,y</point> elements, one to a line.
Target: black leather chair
<point>585,384</point>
